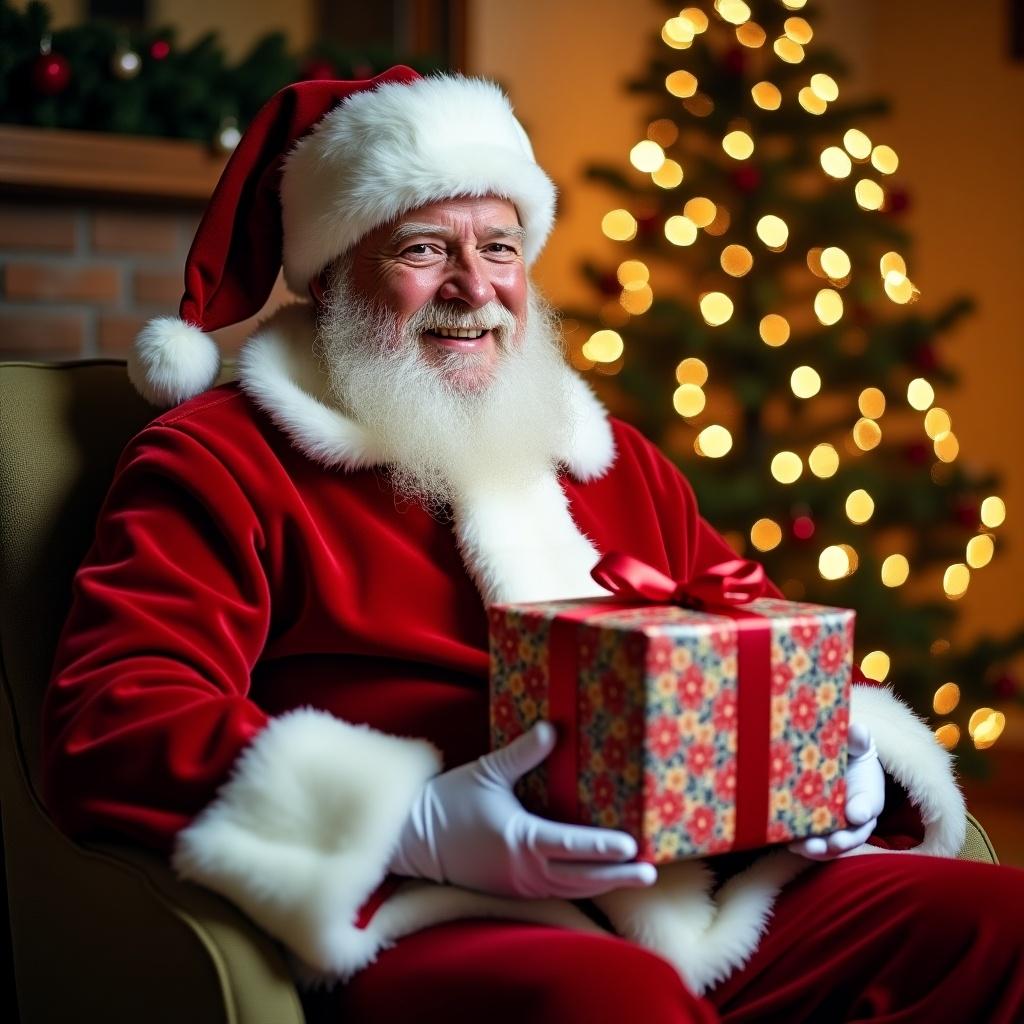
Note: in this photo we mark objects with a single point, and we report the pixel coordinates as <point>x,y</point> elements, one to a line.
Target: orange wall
<point>958,111</point>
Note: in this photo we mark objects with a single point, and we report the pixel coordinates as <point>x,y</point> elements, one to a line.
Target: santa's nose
<point>467,282</point>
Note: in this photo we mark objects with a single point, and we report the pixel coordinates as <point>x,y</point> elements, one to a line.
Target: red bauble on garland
<point>917,453</point>
<point>51,73</point>
<point>897,201</point>
<point>160,49</point>
<point>608,284</point>
<point>1005,687</point>
<point>924,358</point>
<point>967,513</point>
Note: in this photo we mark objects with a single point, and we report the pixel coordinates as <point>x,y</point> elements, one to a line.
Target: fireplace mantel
<point>58,161</point>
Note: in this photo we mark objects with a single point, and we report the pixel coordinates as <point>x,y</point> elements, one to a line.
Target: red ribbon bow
<point>734,582</point>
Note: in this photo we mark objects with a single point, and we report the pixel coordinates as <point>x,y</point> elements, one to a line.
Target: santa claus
<point>275,668</point>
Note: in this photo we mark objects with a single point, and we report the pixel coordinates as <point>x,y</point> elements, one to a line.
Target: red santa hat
<point>320,166</point>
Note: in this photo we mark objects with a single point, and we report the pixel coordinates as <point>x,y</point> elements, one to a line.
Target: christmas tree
<point>761,324</point>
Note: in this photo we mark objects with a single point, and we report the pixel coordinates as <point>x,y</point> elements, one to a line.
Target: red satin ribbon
<point>719,589</point>
<point>736,581</point>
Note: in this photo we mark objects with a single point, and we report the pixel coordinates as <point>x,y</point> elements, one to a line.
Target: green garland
<point>173,92</point>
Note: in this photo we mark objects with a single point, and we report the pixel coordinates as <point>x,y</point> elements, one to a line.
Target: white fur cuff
<point>302,833</point>
<point>910,753</point>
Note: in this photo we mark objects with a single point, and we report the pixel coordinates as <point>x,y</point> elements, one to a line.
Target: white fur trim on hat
<point>171,361</point>
<point>383,153</point>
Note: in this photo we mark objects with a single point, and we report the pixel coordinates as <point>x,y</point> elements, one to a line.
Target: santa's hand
<point>467,828</point>
<point>865,798</point>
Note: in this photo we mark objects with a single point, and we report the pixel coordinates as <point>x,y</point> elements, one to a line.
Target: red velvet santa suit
<point>260,606</point>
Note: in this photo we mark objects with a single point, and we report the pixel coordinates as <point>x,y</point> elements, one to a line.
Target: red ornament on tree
<point>647,224</point>
<point>51,73</point>
<point>803,528</point>
<point>746,178</point>
<point>608,284</point>
<point>160,49</point>
<point>319,68</point>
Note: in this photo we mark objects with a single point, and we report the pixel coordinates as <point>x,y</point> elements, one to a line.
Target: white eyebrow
<point>406,231</point>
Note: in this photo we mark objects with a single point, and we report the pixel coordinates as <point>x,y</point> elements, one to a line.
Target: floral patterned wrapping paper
<point>657,709</point>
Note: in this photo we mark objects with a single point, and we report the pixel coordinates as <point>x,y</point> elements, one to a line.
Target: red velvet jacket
<point>251,560</point>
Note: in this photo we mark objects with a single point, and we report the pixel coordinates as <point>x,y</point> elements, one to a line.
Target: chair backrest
<point>62,428</point>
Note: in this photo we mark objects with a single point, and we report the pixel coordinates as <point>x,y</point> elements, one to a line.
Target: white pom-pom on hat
<point>171,361</point>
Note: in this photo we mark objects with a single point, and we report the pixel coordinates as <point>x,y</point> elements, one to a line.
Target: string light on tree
<point>700,210</point>
<point>668,175</point>
<point>871,403</point>
<point>766,95</point>
<point>738,144</point>
<point>884,159</point>
<point>787,467</point>
<point>835,162</point>
<point>955,581</point>
<point>647,156</point>
<point>946,699</point>
<point>716,308</point>
<point>828,306</point>
<point>860,507</point>
<point>980,550</point>
<point>857,144</point>
<point>774,329</point>
<point>619,225</point>
<point>692,371</point>
<point>772,230</point>
<point>993,512</point>
<point>682,84</point>
<point>603,347</point>
<point>689,400</point>
<point>869,194</point>
<point>766,535</point>
<point>895,570</point>
<point>751,35</point>
<point>805,382</point>
<point>713,442</point>
<point>985,727</point>
<point>823,461</point>
<point>736,260</point>
<point>680,230</point>
<point>920,394</point>
<point>788,50</point>
<point>876,665</point>
<point>867,434</point>
<point>835,262</point>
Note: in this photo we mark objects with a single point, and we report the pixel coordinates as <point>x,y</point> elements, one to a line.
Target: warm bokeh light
<point>736,12</point>
<point>766,95</point>
<point>920,394</point>
<point>751,35</point>
<point>993,512</point>
<point>948,735</point>
<point>869,194</point>
<point>805,382</point>
<point>875,665</point>
<point>773,231</point>
<point>823,461</point>
<point>980,550</point>
<point>857,144</point>
<point>899,287</point>
<point>834,562</point>
<point>895,570</point>
<point>937,422</point>
<point>766,534</point>
<point>892,262</point>
<point>700,210</point>
<point>946,699</point>
<point>946,446</point>
<point>828,306</point>
<point>696,17</point>
<point>824,86</point>
<point>720,224</point>
<point>603,347</point>
<point>866,434</point>
<point>787,467</point>
<point>692,371</point>
<point>774,330</point>
<point>736,260</point>
<point>788,50</point>
<point>738,144</point>
<point>619,225</point>
<point>677,33</point>
<point>630,271</point>
<point>681,83</point>
<point>668,175</point>
<point>989,729</point>
<point>955,580</point>
<point>799,30</point>
<point>680,230</point>
<point>713,441</point>
<point>647,156</point>
<point>871,403</point>
<point>716,308</point>
<point>700,104</point>
<point>884,159</point>
<point>835,262</point>
<point>835,162</point>
<point>977,717</point>
<point>860,507</point>
<point>664,131</point>
<point>811,101</point>
<point>636,298</point>
<point>688,400</point>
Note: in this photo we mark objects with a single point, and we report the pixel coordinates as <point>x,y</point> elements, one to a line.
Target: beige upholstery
<point>102,934</point>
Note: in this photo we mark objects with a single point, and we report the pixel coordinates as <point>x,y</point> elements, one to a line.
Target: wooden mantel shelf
<point>59,161</point>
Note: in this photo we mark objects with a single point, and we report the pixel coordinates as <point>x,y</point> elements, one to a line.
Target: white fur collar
<point>517,546</point>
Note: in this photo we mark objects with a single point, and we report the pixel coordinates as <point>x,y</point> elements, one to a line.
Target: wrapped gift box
<point>698,732</point>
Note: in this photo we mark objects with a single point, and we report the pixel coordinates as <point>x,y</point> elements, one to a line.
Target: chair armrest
<point>977,845</point>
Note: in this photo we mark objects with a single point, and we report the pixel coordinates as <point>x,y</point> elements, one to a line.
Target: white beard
<point>437,438</point>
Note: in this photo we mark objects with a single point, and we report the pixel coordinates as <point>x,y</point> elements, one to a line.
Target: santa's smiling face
<point>452,275</point>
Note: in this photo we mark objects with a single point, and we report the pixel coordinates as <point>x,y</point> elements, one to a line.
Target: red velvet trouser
<point>879,938</point>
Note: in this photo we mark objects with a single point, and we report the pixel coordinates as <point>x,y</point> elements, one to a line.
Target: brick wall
<point>79,278</point>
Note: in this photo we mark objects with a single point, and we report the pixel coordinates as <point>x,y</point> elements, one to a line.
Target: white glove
<point>865,799</point>
<point>467,827</point>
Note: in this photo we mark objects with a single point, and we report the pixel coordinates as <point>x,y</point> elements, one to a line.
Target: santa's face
<point>448,268</point>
